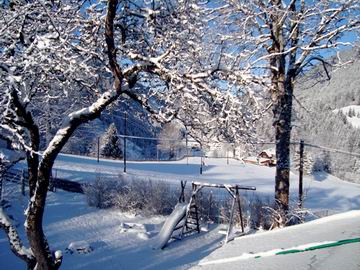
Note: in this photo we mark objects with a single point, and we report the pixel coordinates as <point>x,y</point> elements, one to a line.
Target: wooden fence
<point>21,177</point>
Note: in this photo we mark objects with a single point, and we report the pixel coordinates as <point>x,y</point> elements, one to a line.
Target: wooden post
<point>240,211</point>
<point>98,149</point>
<point>230,221</point>
<point>125,134</point>
<point>22,182</point>
<point>1,184</point>
<point>187,150</point>
<point>301,173</point>
<point>210,203</point>
<point>54,181</point>
<point>182,195</point>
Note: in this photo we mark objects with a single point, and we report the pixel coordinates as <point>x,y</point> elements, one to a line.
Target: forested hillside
<point>85,139</point>
<point>317,118</point>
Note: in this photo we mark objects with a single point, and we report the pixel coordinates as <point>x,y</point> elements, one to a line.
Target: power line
<point>151,138</point>
<point>333,150</point>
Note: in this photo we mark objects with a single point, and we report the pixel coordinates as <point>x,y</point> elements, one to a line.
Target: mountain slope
<point>317,118</point>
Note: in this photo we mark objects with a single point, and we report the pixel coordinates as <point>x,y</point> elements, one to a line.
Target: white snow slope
<point>240,253</point>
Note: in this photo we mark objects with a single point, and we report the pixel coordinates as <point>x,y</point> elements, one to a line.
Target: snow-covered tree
<point>110,143</point>
<point>322,163</point>
<point>57,72</point>
<point>171,138</point>
<point>308,163</point>
<point>271,43</point>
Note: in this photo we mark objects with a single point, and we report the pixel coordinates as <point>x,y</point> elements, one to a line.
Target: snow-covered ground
<point>354,120</point>
<point>114,240</point>
<point>323,191</point>
<point>110,239</point>
<point>258,251</point>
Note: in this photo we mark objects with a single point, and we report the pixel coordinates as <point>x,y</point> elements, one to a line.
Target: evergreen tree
<point>322,163</point>
<point>308,162</point>
<point>351,112</point>
<point>110,143</point>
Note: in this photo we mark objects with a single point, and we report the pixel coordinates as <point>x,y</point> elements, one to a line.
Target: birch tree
<point>271,42</point>
<point>77,58</point>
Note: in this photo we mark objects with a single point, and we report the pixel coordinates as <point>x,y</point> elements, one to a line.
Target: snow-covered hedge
<point>151,197</point>
<point>132,195</point>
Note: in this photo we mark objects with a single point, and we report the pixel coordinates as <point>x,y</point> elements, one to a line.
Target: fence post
<point>157,150</point>
<point>51,182</point>
<point>125,134</point>
<point>1,184</point>
<point>301,172</point>
<point>22,183</point>
<point>98,149</point>
<point>187,150</point>
<point>54,179</point>
<point>201,159</point>
<point>210,204</point>
<point>227,156</point>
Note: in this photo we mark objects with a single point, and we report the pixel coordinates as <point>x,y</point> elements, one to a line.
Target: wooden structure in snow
<point>185,218</point>
<point>233,191</point>
<point>191,222</point>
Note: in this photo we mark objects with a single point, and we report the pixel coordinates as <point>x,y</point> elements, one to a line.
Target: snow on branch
<point>15,243</point>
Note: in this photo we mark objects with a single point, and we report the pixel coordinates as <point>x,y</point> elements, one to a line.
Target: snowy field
<point>118,240</point>
<point>323,191</point>
<point>114,240</point>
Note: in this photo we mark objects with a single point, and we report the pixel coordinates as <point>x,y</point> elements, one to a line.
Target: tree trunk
<point>34,228</point>
<point>282,116</point>
<point>282,90</point>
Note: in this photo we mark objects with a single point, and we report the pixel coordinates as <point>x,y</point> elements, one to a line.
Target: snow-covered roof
<point>269,152</point>
<point>256,160</point>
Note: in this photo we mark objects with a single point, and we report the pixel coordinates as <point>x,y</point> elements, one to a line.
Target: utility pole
<point>301,173</point>
<point>125,134</point>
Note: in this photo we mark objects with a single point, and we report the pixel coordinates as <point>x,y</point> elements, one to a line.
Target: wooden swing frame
<point>233,190</point>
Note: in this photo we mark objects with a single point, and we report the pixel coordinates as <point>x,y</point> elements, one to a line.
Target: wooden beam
<point>227,186</point>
